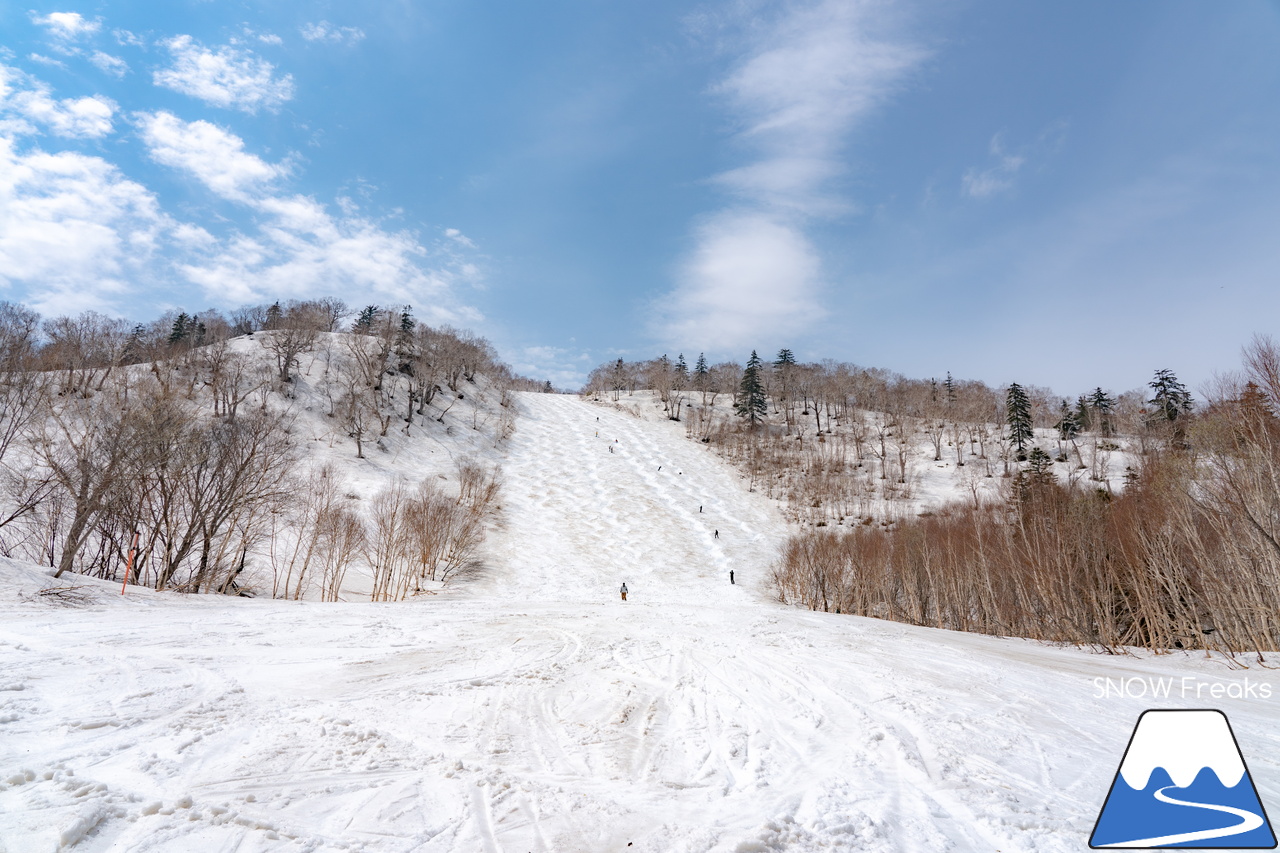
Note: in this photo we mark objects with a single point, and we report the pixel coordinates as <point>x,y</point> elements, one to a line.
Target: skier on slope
<point>624,591</point>
<point>731,576</point>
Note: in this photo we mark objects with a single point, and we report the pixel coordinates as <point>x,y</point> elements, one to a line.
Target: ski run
<point>528,708</point>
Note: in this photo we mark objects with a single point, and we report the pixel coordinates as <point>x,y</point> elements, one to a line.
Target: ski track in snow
<point>532,710</point>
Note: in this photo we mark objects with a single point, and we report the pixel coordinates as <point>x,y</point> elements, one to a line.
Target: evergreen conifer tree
<point>701,376</point>
<point>1171,398</point>
<point>135,346</point>
<point>751,403</point>
<point>784,366</point>
<point>1254,402</point>
<point>1068,426</point>
<point>364,320</point>
<point>1033,484</point>
<point>1039,467</point>
<point>182,327</point>
<point>700,369</point>
<point>950,386</point>
<point>274,315</point>
<point>1084,418</point>
<point>1102,405</point>
<point>1018,413</point>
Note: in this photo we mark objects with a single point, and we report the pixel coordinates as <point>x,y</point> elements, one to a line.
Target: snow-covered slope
<point>532,710</point>
<point>656,512</point>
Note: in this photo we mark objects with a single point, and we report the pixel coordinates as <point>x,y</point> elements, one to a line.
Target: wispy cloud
<point>995,179</point>
<point>125,37</point>
<point>798,91</point>
<point>227,77</point>
<point>1002,175</point>
<point>41,59</point>
<point>109,64</point>
<point>27,104</point>
<point>806,74</point>
<point>67,26</point>
<point>331,34</point>
<point>458,237</point>
<point>213,155</point>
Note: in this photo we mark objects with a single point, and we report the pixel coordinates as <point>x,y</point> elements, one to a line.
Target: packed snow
<point>529,708</point>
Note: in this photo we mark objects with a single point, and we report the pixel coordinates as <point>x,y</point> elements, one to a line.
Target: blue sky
<point>1066,195</point>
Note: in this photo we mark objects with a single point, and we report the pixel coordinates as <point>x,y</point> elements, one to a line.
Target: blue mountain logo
<point>1183,784</point>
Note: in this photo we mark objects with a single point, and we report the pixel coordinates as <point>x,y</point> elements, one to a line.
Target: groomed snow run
<point>530,709</point>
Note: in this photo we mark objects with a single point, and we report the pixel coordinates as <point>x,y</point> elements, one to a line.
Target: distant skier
<point>624,591</point>
<point>731,576</point>
<point>659,467</point>
<point>717,536</point>
<point>611,448</point>
<point>699,507</point>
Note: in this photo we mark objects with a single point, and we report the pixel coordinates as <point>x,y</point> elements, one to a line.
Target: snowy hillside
<point>530,709</point>
<point>876,466</point>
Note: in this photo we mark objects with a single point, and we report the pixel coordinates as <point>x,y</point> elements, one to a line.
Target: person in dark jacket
<point>731,576</point>
<point>624,592</point>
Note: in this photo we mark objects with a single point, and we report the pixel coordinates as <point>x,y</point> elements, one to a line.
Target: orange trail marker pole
<point>128,566</point>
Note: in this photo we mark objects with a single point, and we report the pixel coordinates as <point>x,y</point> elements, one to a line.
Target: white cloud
<point>794,184</point>
<point>225,76</point>
<point>458,237</point>
<point>125,37</point>
<point>565,368</point>
<point>211,154</point>
<point>73,117</point>
<point>270,38</point>
<point>191,236</point>
<point>997,179</point>
<point>752,275</point>
<point>67,26</point>
<point>302,250</point>
<point>74,232</point>
<point>47,60</point>
<point>105,62</point>
<point>328,33</point>
<point>26,103</point>
<point>800,88</point>
<point>299,248</point>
